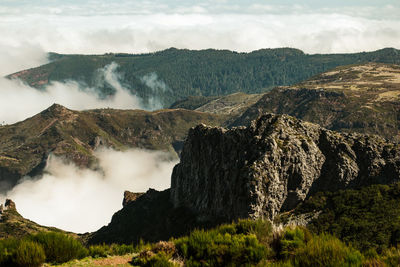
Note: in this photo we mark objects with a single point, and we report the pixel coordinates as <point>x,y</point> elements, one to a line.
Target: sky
<point>31,28</point>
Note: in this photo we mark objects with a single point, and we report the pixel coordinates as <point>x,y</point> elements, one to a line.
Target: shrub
<point>7,250</point>
<point>217,249</point>
<point>29,254</point>
<point>392,257</point>
<point>290,241</point>
<point>97,251</point>
<point>121,249</point>
<point>326,250</point>
<point>104,250</point>
<point>59,247</point>
<point>149,259</point>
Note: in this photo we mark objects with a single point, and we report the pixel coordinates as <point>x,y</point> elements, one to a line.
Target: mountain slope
<point>25,146</point>
<point>12,224</point>
<point>181,73</point>
<point>358,98</point>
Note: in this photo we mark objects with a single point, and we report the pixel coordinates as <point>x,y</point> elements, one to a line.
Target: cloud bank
<point>82,200</point>
<point>101,26</point>
<point>19,101</point>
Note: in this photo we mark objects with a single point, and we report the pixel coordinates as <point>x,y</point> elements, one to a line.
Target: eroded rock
<point>273,165</point>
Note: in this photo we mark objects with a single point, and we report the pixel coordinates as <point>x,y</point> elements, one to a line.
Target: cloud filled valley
<point>19,101</point>
<point>82,200</point>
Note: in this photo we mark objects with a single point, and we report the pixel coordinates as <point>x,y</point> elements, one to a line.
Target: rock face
<point>150,217</point>
<point>273,165</point>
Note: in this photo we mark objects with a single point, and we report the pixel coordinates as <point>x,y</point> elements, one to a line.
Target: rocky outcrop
<point>130,197</point>
<point>10,205</point>
<point>151,217</point>
<point>273,165</point>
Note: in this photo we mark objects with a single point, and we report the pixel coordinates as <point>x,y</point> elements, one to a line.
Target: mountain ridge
<point>75,135</point>
<point>198,73</point>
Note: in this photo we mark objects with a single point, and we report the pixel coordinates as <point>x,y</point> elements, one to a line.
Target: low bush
<point>29,254</point>
<point>104,250</point>
<point>7,250</point>
<point>326,250</point>
<point>214,248</point>
<point>291,240</point>
<point>153,260</point>
<point>97,251</point>
<point>21,252</point>
<point>60,247</point>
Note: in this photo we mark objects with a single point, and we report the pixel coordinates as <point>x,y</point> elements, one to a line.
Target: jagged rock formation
<point>273,165</point>
<point>10,205</point>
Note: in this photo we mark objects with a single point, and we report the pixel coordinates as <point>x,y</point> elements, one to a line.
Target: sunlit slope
<point>362,98</point>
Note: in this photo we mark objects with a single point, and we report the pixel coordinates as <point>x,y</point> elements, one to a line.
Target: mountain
<point>75,135</point>
<point>174,74</point>
<point>12,224</point>
<point>357,98</point>
<point>259,171</point>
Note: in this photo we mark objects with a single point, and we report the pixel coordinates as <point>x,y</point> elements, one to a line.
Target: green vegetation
<point>244,243</point>
<point>251,243</point>
<point>200,73</point>
<point>29,254</point>
<point>368,218</point>
<point>54,248</point>
<point>59,247</point>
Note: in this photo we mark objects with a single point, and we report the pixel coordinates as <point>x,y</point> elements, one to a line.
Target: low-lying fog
<point>83,200</point>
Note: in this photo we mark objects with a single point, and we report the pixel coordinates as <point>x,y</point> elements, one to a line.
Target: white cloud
<point>82,200</point>
<point>241,32</point>
<point>19,101</point>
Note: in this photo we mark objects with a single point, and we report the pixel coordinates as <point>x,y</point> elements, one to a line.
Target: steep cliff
<point>273,165</point>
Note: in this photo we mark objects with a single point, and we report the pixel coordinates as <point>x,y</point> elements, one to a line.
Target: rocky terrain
<point>254,172</point>
<point>25,146</point>
<point>357,98</point>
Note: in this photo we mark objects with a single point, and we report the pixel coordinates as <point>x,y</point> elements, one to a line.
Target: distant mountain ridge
<point>198,73</point>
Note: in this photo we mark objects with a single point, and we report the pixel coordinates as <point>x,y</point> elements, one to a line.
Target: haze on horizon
<point>31,28</point>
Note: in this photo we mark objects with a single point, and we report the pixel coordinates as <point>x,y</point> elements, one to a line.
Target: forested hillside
<point>173,74</point>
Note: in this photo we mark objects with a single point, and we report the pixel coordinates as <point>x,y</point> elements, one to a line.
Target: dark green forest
<point>200,73</point>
